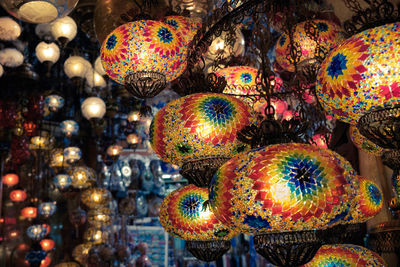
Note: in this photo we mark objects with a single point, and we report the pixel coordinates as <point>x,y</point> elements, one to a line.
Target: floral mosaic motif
<point>144,45</point>
<point>329,36</point>
<point>281,187</point>
<point>186,26</point>
<point>362,143</point>
<point>345,255</point>
<point>361,74</point>
<point>183,213</point>
<point>199,126</point>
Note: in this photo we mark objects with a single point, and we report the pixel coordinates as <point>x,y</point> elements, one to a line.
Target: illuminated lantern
<point>62,181</point>
<point>39,142</point>
<point>17,195</point>
<point>201,130</point>
<point>144,55</point>
<point>46,262</point>
<point>76,67</point>
<point>348,83</point>
<point>94,79</point>
<point>98,67</point>
<point>99,217</point>
<point>47,52</point>
<point>186,26</point>
<point>47,244</point>
<point>9,29</point>
<point>11,57</point>
<point>10,179</point>
<point>64,29</point>
<point>36,231</point>
<point>69,127</point>
<point>95,235</point>
<point>320,140</point>
<point>1,70</point>
<point>57,159</point>
<point>96,197</point>
<point>114,150</point>
<point>72,154</point>
<point>184,214</point>
<point>29,212</point>
<point>47,209</point>
<point>133,139</point>
<point>134,116</point>
<point>364,143</point>
<point>39,11</point>
<point>345,255</point>
<point>80,253</point>
<point>54,102</point>
<point>93,108</point>
<point>329,36</point>
<point>240,80</point>
<point>81,177</point>
<point>30,128</point>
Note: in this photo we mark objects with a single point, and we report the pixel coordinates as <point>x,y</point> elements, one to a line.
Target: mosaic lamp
<point>72,154</point>
<point>282,192</point>
<point>81,177</point>
<point>345,255</point>
<point>363,143</point>
<point>18,195</point>
<point>185,214</point>
<point>96,197</point>
<point>54,102</point>
<point>62,181</point>
<point>99,217</point>
<point>39,11</point>
<point>144,55</point>
<point>47,209</point>
<point>185,25</point>
<point>199,133</point>
<point>69,127</point>
<point>329,36</point>
<point>37,231</point>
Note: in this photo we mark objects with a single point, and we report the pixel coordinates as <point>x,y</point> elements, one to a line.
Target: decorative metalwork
<point>208,250</point>
<point>145,84</point>
<point>196,82</point>
<point>347,234</point>
<point>289,248</point>
<point>385,238</point>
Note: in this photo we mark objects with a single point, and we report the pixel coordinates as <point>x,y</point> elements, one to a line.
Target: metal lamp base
<point>145,84</point>
<point>208,250</point>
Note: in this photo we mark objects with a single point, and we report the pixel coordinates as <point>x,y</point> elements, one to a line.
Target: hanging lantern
<point>144,55</point>
<point>39,142</point>
<point>69,127</point>
<point>54,102</point>
<point>293,189</point>
<point>37,231</point>
<point>11,57</point>
<point>363,143</point>
<point>57,159</point>
<point>10,179</point>
<point>329,36</point>
<point>47,209</point>
<point>199,132</point>
<point>29,212</point>
<point>114,150</point>
<point>134,116</point>
<point>81,177</point>
<point>98,67</point>
<point>47,52</point>
<point>80,254</point>
<point>96,197</point>
<point>47,244</point>
<point>9,29</point>
<point>62,181</point>
<point>39,11</point>
<point>72,154</point>
<point>133,140</point>
<point>186,26</point>
<point>95,235</point>
<point>185,214</point>
<point>64,30</point>
<point>18,195</point>
<point>93,108</point>
<point>345,255</point>
<point>99,217</point>
<point>76,67</point>
<point>94,79</point>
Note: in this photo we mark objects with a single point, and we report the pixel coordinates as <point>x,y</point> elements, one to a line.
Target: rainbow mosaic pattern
<point>361,74</point>
<point>345,255</point>
<point>329,36</point>
<point>284,187</point>
<point>362,143</point>
<point>369,201</point>
<point>183,214</point>
<point>144,45</point>
<point>240,80</point>
<point>199,126</point>
<point>186,26</point>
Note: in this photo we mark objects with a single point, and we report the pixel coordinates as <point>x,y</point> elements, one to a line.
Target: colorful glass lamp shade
<point>185,214</point>
<point>47,244</point>
<point>47,209</point>
<point>37,231</point>
<point>144,55</point>
<point>329,36</point>
<point>54,102</point>
<point>62,181</point>
<point>185,25</point>
<point>10,179</point>
<point>99,217</point>
<point>199,132</point>
<point>69,127</point>
<point>345,255</point>
<point>18,195</point>
<point>81,177</point>
<point>96,197</point>
<point>293,189</point>
<point>72,154</point>
<point>29,212</point>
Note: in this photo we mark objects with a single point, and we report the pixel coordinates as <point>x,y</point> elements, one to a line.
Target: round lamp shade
<point>94,79</point>
<point>72,154</point>
<point>9,29</point>
<point>62,181</point>
<point>81,177</point>
<point>240,80</point>
<point>184,214</point>
<point>368,200</point>
<point>69,127</point>
<point>47,244</point>
<point>64,29</point>
<point>18,195</point>
<point>76,66</point>
<point>99,217</point>
<point>96,197</point>
<point>329,36</point>
<point>39,11</point>
<point>361,74</point>
<point>47,52</point>
<point>29,212</point>
<point>1,70</point>
<point>284,187</point>
<point>10,179</point>
<point>47,209</point>
<point>54,102</point>
<point>345,255</point>
<point>96,235</point>
<point>144,46</point>
<point>186,26</point>
<point>93,108</point>
<point>99,67</point>
<point>57,158</point>
<point>362,143</point>
<point>80,254</point>
<point>43,30</point>
<point>199,126</point>
<point>11,57</point>
<point>37,231</point>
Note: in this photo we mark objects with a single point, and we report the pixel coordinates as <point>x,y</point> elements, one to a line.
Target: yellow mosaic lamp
<point>96,197</point>
<point>82,177</point>
<point>99,217</point>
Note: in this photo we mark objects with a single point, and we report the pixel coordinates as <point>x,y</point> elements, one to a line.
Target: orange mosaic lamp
<point>144,55</point>
<point>199,132</point>
<point>185,214</point>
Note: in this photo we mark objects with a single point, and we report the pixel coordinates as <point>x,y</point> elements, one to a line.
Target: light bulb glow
<point>47,52</point>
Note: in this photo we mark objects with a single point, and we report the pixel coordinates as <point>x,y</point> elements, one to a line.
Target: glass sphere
<point>114,150</point>
<point>132,139</point>
<point>134,116</point>
<point>72,154</point>
<point>99,217</point>
<point>76,66</point>
<point>39,11</point>
<point>11,57</point>
<point>36,231</point>
<point>9,29</point>
<point>95,235</point>
<point>47,209</point>
<point>80,253</point>
<point>10,179</point>
<point>43,31</point>
<point>54,102</point>
<point>69,127</point>
<point>96,197</point>
<point>47,52</point>
<point>29,212</point>
<point>62,181</point>
<point>99,67</point>
<point>47,244</point>
<point>93,108</point>
<point>81,177</point>
<point>94,79</point>
<point>18,195</point>
<point>57,158</point>
<point>64,29</point>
